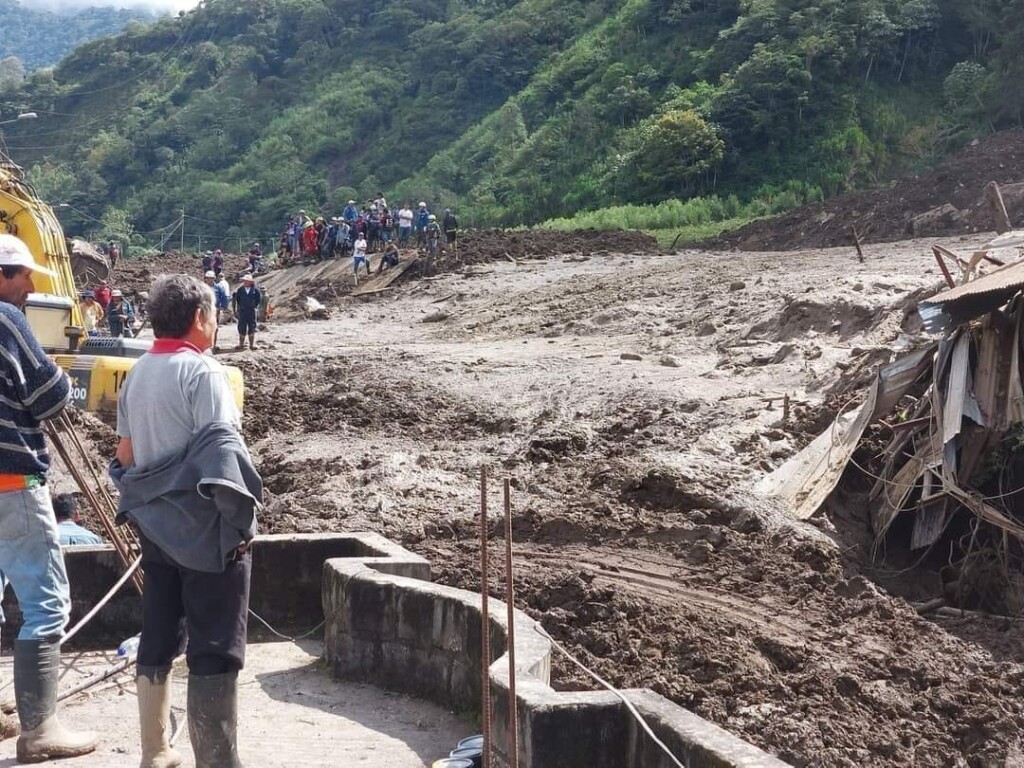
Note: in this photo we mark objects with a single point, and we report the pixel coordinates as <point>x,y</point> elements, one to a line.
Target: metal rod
<point>106,599</point>
<point>99,677</point>
<point>104,507</point>
<point>485,625</point>
<point>510,598</point>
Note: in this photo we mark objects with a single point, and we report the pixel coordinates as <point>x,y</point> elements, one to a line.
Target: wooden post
<point>485,625</point>
<point>1000,217</point>
<point>942,265</point>
<point>856,244</point>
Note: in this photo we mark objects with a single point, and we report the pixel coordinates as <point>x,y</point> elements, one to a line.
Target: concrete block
<point>287,584</point>
<point>432,649</point>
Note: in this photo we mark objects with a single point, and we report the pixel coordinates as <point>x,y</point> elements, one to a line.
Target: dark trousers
<point>203,614</point>
<point>246,322</point>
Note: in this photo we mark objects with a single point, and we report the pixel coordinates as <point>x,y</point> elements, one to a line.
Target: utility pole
<point>182,230</point>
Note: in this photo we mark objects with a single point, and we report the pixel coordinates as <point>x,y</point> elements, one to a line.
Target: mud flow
<point>633,398</point>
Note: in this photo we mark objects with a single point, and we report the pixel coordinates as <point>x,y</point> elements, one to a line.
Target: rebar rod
<point>485,625</point>
<point>132,569</point>
<point>510,597</point>
<point>99,677</point>
<point>105,508</point>
<point>87,457</point>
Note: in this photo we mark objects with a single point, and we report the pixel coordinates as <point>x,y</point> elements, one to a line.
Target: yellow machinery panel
<point>53,310</point>
<point>96,380</point>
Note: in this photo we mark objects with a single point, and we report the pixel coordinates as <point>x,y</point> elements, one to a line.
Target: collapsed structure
<point>950,417</point>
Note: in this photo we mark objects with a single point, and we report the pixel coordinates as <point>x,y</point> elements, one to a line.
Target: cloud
<point>77,5</point>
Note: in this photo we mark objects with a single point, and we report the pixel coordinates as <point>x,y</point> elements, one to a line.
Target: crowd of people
<point>360,231</point>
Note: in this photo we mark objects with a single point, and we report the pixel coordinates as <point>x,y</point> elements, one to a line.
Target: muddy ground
<point>632,399</point>
<point>885,213</point>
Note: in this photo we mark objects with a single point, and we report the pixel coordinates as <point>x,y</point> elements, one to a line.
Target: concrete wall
<point>424,639</point>
<point>286,583</point>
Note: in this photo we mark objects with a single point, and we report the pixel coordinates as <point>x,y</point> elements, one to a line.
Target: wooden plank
<point>995,201</point>
<point>378,282</point>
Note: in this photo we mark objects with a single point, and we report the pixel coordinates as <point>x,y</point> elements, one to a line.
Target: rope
<point>295,639</point>
<point>629,705</point>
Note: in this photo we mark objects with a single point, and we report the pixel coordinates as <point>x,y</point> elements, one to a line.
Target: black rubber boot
<point>213,720</point>
<point>36,669</point>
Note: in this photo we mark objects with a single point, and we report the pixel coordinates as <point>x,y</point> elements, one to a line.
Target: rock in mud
<point>737,285</point>
<point>706,329</point>
<point>630,356</point>
<point>670,361</point>
<point>557,444</point>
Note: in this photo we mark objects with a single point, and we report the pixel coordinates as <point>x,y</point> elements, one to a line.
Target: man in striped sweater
<point>32,390</point>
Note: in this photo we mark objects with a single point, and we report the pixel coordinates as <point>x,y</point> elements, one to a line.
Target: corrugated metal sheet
<point>1003,280</point>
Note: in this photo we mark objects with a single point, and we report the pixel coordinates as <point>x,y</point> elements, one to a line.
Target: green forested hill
<point>514,111</point>
<point>42,38</point>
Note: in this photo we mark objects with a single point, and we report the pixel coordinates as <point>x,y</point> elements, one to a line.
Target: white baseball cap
<point>247,278</point>
<point>209,273</point>
<point>14,253</point>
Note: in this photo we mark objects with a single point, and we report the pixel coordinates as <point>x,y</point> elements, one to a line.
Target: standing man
<point>222,291</point>
<point>422,220</point>
<point>404,225</point>
<point>350,213</point>
<point>359,257</point>
<point>102,294</point>
<point>247,302</point>
<point>220,296</point>
<point>92,313</point>
<point>120,315</point>
<point>188,484</point>
<point>433,235</point>
<point>32,390</point>
<point>450,225</point>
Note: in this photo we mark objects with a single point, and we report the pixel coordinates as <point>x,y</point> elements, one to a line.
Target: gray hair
<point>172,305</point>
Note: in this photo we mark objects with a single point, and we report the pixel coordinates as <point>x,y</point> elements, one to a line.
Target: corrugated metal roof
<point>1003,280</point>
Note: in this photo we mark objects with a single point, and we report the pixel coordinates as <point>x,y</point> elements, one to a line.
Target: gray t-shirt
<point>167,398</point>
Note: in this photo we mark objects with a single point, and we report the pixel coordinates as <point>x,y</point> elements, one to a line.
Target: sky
<point>160,5</point>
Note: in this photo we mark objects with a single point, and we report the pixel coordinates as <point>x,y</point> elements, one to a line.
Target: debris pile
<point>942,201</point>
<point>951,418</point>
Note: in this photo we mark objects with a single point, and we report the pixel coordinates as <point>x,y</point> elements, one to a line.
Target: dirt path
<point>632,400</point>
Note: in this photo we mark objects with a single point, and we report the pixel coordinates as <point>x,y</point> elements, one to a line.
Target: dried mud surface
<point>632,400</point>
<point>883,214</point>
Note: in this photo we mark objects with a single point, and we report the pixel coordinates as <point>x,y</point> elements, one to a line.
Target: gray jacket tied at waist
<point>199,505</point>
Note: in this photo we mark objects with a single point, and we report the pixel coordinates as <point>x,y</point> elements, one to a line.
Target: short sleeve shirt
<point>167,398</point>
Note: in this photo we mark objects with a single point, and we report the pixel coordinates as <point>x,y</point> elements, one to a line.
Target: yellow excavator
<point>97,366</point>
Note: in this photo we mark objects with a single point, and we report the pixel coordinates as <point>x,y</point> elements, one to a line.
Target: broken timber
<point>954,412</point>
<point>378,283</point>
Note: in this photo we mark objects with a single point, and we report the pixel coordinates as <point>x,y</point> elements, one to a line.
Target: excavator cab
<point>97,367</point>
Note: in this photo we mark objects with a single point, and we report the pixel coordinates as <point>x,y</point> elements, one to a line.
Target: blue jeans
<point>31,559</point>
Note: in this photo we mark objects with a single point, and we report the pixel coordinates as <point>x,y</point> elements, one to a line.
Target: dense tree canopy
<point>42,38</point>
<point>514,111</point>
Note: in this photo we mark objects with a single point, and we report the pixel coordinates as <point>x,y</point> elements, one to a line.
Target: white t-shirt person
<point>405,218</point>
<point>360,248</point>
